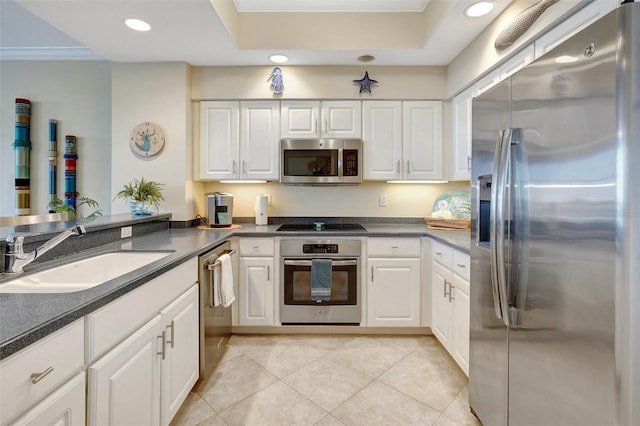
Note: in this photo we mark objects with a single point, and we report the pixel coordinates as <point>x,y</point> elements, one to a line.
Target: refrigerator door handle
<point>497,225</point>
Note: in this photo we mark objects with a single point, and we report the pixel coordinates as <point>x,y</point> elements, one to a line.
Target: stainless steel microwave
<point>321,161</point>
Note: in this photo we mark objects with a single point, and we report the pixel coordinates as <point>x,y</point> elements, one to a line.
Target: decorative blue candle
<point>53,160</point>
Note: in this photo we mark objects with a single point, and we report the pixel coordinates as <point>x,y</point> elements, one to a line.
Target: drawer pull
<point>438,253</point>
<point>172,326</point>
<point>394,247</point>
<point>163,336</point>
<point>461,265</point>
<point>36,377</point>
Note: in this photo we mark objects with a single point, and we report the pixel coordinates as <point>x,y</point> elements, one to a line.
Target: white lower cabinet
<point>450,301</point>
<point>180,366</point>
<point>256,297</point>
<point>36,373</point>
<point>393,293</point>
<point>393,282</point>
<point>442,308</point>
<point>146,378</point>
<point>64,407</point>
<point>124,385</point>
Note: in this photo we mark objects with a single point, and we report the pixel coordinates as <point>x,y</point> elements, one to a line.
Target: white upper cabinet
<point>326,119</point>
<point>259,140</point>
<point>585,16</point>
<point>219,139</point>
<point>239,140</point>
<point>422,141</point>
<point>461,135</point>
<point>517,62</point>
<point>382,139</point>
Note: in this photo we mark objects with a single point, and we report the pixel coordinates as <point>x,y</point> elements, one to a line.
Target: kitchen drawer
<point>112,323</point>
<point>461,264</point>
<point>393,247</point>
<point>61,353</point>
<point>442,254</point>
<point>256,247</point>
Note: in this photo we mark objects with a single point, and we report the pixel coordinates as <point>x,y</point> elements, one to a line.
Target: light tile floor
<point>331,380</point>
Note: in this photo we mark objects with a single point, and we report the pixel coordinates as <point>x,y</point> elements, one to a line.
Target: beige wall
<point>77,94</point>
<point>156,92</point>
<point>404,200</point>
<point>319,82</point>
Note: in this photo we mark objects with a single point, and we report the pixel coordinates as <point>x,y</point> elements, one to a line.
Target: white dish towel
<point>226,281</point>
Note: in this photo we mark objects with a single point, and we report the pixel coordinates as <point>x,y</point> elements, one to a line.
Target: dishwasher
<point>215,322</point>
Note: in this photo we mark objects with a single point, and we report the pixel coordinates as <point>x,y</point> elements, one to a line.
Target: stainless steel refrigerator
<point>555,273</point>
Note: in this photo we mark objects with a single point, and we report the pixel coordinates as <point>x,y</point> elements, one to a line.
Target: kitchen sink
<point>82,274</point>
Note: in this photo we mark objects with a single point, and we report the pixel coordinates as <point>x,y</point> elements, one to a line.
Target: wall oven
<point>321,161</point>
<point>297,306</point>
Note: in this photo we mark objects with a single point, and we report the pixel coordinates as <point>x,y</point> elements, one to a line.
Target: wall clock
<point>147,139</point>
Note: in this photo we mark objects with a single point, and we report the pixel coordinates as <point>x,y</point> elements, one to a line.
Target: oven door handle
<point>308,262</point>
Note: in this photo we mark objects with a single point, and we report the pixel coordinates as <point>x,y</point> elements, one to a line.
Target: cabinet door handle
<point>172,327</point>
<point>461,265</point>
<point>36,377</point>
<point>164,340</point>
<point>451,287</point>
<point>408,169</point>
<point>372,274</point>
<point>444,287</point>
<point>438,253</point>
<point>315,128</point>
<point>468,163</point>
<point>244,167</point>
<point>268,273</point>
<point>398,167</point>
<point>234,167</point>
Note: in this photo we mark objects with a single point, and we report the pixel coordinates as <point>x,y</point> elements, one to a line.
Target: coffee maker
<point>219,209</point>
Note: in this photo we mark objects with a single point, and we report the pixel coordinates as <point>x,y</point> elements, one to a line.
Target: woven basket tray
<point>448,224</point>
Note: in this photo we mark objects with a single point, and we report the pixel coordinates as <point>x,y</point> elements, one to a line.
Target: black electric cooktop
<point>324,227</point>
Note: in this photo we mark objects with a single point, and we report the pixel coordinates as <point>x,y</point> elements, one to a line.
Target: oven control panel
<point>320,248</point>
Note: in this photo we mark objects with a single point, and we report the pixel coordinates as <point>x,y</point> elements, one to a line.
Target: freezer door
<point>561,341</point>
<point>488,361</point>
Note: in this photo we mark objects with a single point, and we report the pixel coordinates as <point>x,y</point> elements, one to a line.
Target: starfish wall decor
<point>365,83</point>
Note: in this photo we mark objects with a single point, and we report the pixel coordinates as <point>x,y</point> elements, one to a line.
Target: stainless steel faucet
<point>15,259</point>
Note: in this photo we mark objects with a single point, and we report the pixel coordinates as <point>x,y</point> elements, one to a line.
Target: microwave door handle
<point>340,170</point>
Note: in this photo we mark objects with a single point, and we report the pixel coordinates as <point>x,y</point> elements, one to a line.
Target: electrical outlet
<point>126,232</point>
<point>382,200</point>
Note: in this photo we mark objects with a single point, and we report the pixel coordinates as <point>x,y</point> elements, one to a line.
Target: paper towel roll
<point>260,207</point>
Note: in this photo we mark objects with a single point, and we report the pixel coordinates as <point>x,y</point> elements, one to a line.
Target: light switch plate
<point>382,200</point>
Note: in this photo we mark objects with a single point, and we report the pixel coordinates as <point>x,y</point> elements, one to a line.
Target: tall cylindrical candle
<point>70,157</point>
<point>22,151</point>
<point>53,161</point>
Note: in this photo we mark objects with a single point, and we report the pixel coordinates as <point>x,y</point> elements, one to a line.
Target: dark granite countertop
<point>28,317</point>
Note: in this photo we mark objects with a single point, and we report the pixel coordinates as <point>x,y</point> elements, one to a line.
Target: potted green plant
<point>142,195</point>
<point>60,206</point>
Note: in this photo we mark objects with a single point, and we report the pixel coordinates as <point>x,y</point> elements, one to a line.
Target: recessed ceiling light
<point>137,24</point>
<point>278,59</point>
<point>478,9</point>
<point>366,58</point>
<point>565,59</point>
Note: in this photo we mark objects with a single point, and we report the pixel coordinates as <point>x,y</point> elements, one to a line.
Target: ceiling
<point>215,33</point>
